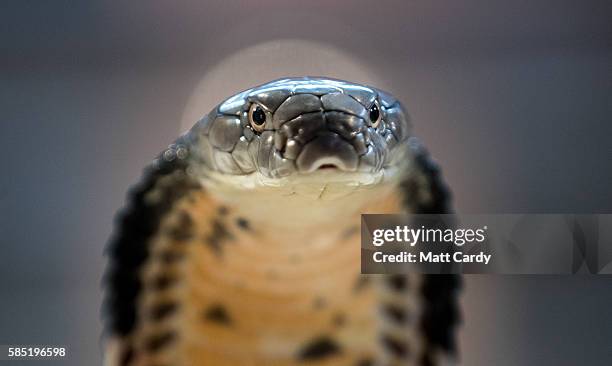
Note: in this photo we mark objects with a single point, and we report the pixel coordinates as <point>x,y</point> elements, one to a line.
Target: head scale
<point>297,126</point>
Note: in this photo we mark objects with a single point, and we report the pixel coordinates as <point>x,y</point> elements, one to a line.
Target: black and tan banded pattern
<point>240,245</point>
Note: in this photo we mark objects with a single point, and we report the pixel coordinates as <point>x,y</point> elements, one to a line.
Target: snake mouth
<point>328,166</point>
<point>327,151</point>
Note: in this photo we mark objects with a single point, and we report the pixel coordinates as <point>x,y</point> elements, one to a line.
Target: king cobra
<point>240,245</point>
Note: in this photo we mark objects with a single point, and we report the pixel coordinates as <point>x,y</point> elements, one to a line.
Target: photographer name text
<point>432,237</point>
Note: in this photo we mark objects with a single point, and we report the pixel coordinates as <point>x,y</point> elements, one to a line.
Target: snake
<point>240,244</point>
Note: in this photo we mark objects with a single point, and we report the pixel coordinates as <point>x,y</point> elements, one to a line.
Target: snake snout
<point>327,150</point>
<point>322,139</point>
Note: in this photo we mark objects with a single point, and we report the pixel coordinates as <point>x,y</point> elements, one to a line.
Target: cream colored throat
<point>298,205</point>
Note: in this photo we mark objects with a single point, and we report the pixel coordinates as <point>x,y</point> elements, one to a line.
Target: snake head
<point>299,126</point>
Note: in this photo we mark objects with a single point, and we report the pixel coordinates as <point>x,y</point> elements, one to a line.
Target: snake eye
<point>375,116</point>
<point>257,117</point>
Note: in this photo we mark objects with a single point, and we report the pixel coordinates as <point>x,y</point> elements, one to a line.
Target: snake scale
<point>240,245</point>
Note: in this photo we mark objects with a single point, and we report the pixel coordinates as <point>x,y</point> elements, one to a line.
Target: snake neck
<point>251,293</point>
<point>307,207</point>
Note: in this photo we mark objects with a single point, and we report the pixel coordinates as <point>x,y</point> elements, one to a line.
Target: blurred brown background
<point>512,97</point>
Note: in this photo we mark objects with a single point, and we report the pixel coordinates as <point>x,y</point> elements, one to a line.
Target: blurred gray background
<point>514,98</point>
